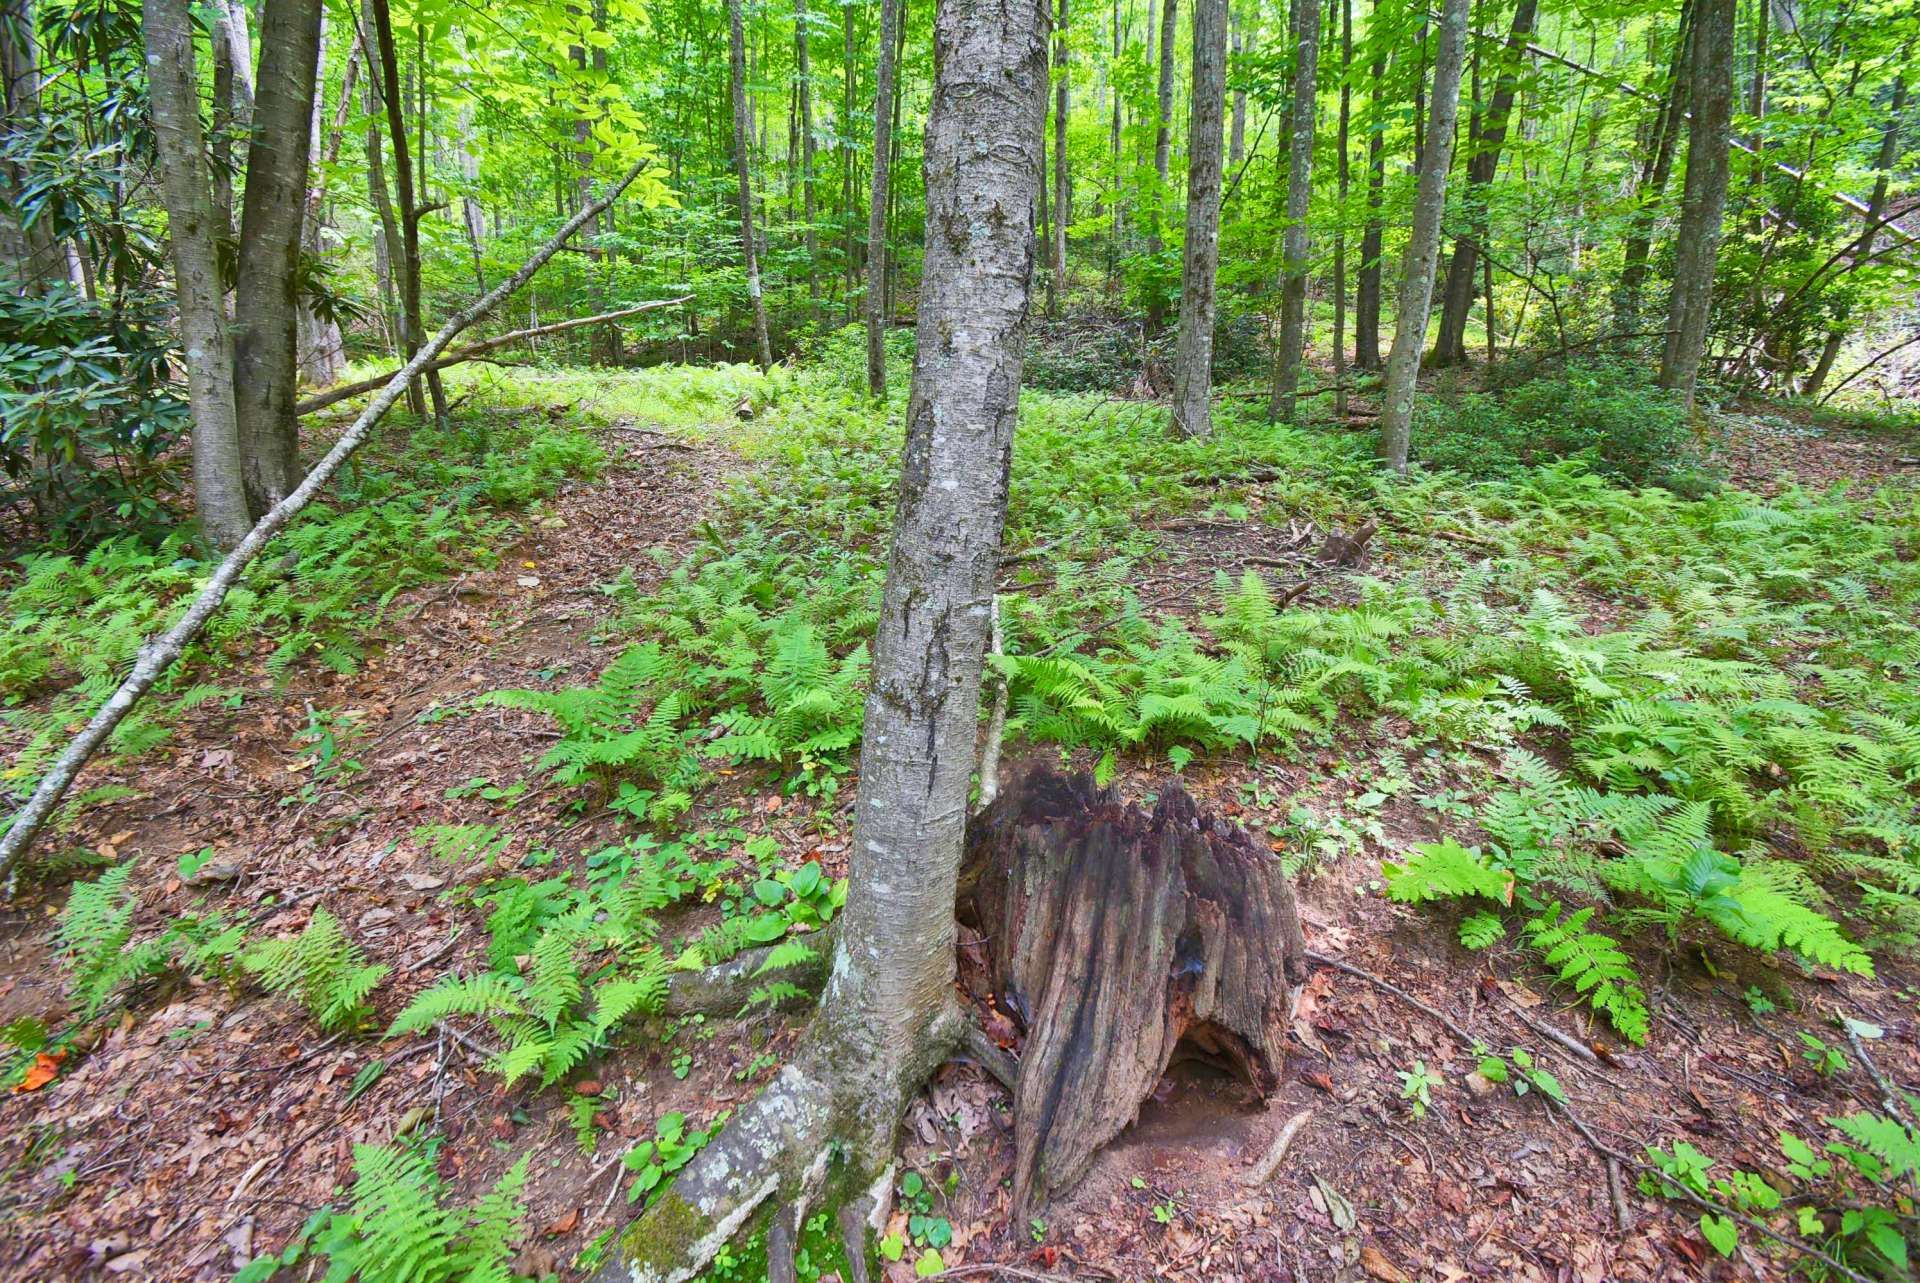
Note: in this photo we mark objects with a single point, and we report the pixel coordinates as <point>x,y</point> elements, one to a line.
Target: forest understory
<point>179,1123</point>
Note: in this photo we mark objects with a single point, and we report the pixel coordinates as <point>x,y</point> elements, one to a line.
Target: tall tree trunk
<point>1457,297</point>
<point>1193,364</point>
<point>1366,302</point>
<point>323,352</point>
<point>412,329</point>
<point>1697,241</point>
<point>803,92</point>
<point>1655,172</point>
<point>1162,144</point>
<point>887,1017</point>
<point>219,484</point>
<point>28,252</point>
<point>1289,347</point>
<point>1062,195</point>
<point>232,98</point>
<point>266,333</point>
<point>884,93</point>
<point>1423,242</point>
<point>388,254</point>
<point>1876,208</point>
<point>1119,164</point>
<point>742,164</point>
<point>1340,224</point>
<point>1237,132</point>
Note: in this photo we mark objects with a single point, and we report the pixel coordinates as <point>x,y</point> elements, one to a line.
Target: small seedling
<point>1416,1085</point>
<point>1826,1060</point>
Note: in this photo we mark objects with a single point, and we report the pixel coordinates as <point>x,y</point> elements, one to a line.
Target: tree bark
<point>1193,363</point>
<point>35,259</point>
<point>1654,174</point>
<point>1697,248</point>
<point>1341,145</point>
<point>1062,194</point>
<point>803,91</point>
<point>888,1015</point>
<point>1162,146</point>
<point>1366,302</point>
<point>1423,243</point>
<point>1289,347</point>
<point>219,483</point>
<point>323,352</point>
<point>875,302</point>
<point>742,166</point>
<point>1237,133</point>
<point>232,98</point>
<point>1457,296</point>
<point>408,269</point>
<point>266,331</point>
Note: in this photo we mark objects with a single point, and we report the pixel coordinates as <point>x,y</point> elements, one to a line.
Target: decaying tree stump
<point>1113,936</point>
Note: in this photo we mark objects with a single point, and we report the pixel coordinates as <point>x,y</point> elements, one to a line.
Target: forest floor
<point>200,1127</point>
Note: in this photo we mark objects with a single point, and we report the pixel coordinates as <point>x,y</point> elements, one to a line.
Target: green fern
<point>321,968</point>
<point>1446,870</point>
<point>1594,965</point>
<point>95,938</point>
<point>398,1229</point>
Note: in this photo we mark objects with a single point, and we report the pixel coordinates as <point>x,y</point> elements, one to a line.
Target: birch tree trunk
<point>742,164</point>
<point>1457,297</point>
<point>1423,243</point>
<point>884,94</point>
<point>1289,347</point>
<point>1697,241</point>
<point>266,332</point>
<point>219,486</point>
<point>1193,362</point>
<point>888,1017</point>
<point>323,352</point>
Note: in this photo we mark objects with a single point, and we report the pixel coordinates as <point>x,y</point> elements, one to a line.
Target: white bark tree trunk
<point>1423,244</point>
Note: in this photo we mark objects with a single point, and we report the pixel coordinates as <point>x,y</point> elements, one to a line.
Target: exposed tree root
<point>723,989</point>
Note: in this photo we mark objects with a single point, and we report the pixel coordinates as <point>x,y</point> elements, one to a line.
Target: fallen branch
<point>1277,1152</point>
<point>474,351</point>
<point>160,653</point>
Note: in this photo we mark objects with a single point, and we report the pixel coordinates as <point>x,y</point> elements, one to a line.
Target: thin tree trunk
<point>742,162</point>
<point>1423,243</point>
<point>1457,296</point>
<point>1344,161</point>
<point>1697,241</point>
<point>266,330</point>
<point>29,249</point>
<point>1193,364</point>
<point>875,302</point>
<point>1119,165</point>
<point>232,98</point>
<point>219,483</point>
<point>409,210</point>
<point>1289,347</point>
<point>1237,135</point>
<point>1876,208</point>
<point>388,255</point>
<point>1062,196</point>
<point>323,352</point>
<point>803,91</point>
<point>888,1015</point>
<point>1366,302</point>
<point>1162,145</point>
<point>1654,175</point>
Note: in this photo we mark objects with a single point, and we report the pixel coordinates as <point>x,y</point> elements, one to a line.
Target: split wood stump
<point>1114,936</point>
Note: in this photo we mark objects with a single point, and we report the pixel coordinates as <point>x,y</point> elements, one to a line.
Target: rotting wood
<point>1116,938</point>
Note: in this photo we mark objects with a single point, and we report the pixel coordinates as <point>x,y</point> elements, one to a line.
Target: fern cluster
<point>96,940</point>
<point>321,968</point>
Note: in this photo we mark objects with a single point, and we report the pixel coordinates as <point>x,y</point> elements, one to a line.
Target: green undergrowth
<point>417,506</point>
<point>1694,714</point>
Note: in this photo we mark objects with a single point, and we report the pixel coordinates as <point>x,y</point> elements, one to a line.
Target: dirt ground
<point>203,1128</point>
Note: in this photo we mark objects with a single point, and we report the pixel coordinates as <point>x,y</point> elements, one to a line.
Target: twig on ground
<point>1617,1190</point>
<point>1269,1163</point>
<point>989,1056</point>
<point>1565,1040</point>
<point>1889,1098</point>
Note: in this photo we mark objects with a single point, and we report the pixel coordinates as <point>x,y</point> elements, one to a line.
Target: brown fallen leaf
<point>565,1225</point>
<point>1380,1267</point>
